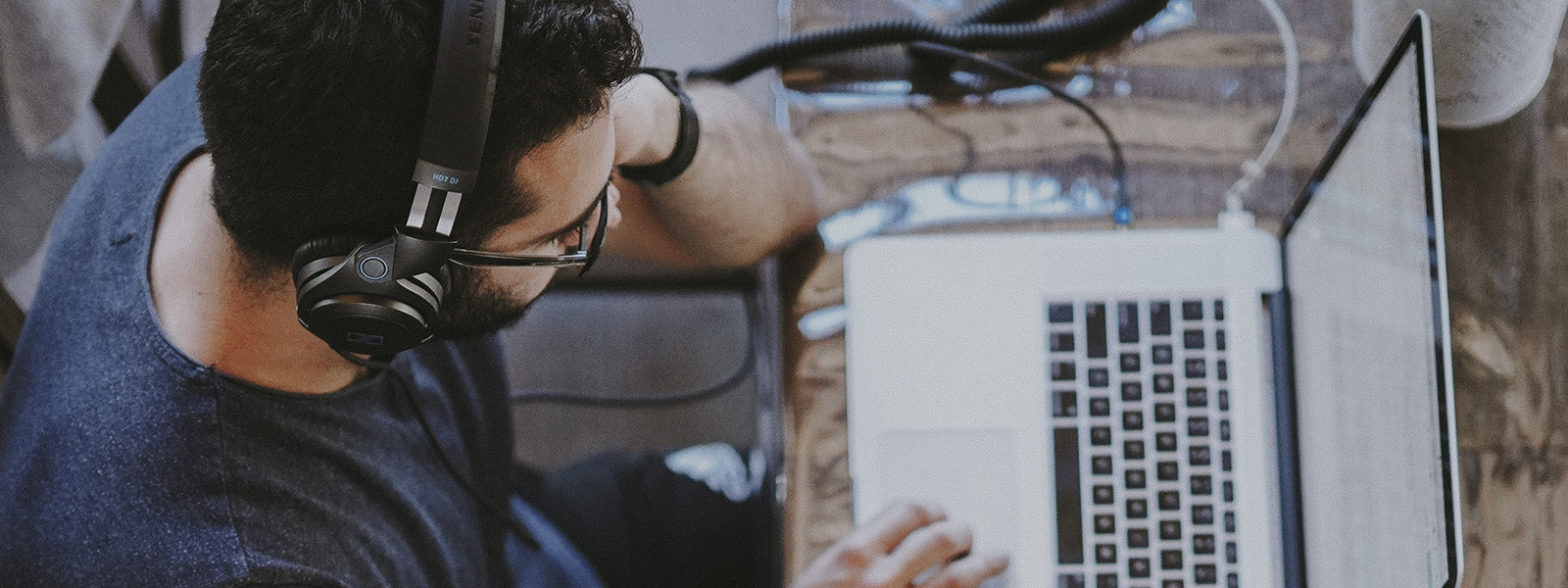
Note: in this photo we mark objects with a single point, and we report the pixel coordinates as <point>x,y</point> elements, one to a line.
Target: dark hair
<point>314,108</point>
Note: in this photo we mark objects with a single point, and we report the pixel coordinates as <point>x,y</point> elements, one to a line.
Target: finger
<point>926,548</point>
<point>889,528</point>
<point>968,572</point>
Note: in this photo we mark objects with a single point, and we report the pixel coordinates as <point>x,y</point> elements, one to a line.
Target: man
<point>168,422</point>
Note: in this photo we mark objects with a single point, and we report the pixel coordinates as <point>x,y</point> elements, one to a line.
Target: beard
<point>476,306</point>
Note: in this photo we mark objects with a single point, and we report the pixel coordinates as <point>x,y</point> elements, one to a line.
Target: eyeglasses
<point>584,253</point>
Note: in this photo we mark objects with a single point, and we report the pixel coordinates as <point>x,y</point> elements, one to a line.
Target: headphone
<point>383,297</point>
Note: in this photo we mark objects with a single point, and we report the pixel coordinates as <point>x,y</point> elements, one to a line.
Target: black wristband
<point>685,138</point>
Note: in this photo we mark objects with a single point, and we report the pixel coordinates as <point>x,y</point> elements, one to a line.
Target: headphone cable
<point>510,522</point>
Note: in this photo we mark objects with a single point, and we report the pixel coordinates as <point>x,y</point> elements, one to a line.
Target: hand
<point>647,120</point>
<point>898,547</point>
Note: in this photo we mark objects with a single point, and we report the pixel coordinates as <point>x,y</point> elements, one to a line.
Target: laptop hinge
<point>1292,536</point>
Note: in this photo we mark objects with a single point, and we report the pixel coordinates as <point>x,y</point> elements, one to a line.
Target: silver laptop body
<point>1182,407</point>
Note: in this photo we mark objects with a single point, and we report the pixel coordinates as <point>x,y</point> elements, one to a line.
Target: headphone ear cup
<point>325,247</point>
<point>367,311</point>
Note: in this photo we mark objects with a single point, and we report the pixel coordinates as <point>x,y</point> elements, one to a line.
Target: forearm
<point>748,191</point>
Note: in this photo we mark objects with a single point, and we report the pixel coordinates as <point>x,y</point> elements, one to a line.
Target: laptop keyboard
<point>1140,417</point>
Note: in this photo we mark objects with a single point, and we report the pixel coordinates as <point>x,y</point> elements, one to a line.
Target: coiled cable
<point>1085,31</point>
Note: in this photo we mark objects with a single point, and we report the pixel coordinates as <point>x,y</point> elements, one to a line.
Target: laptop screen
<point>1363,268</point>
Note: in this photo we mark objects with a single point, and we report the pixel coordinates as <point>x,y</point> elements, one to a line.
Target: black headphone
<point>380,298</point>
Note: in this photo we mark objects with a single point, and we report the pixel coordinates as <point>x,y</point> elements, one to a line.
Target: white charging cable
<point>1253,169</point>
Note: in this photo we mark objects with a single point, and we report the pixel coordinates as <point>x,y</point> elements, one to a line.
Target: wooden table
<point>1191,102</point>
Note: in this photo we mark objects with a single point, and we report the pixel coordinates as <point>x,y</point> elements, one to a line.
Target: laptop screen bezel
<point>1415,39</point>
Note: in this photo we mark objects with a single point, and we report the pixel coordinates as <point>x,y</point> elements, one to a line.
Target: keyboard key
<point>1062,342</point>
<point>1164,412</point>
<point>1131,363</point>
<point>1105,581</point>
<point>1171,584</point>
<point>1132,449</point>
<point>1100,465</point>
<point>1229,491</point>
<point>1203,543</point>
<point>1198,426</point>
<point>1205,574</point>
<point>1064,404</point>
<point>1159,318</point>
<point>1202,485</point>
<point>1170,500</point>
<point>1221,372</point>
<point>1192,310</point>
<point>1105,524</point>
<point>1219,310</point>
<point>1162,355</point>
<point>1137,508</point>
<point>1192,339</point>
<point>1137,538</point>
<point>1223,397</point>
<point>1165,441</point>
<point>1099,406</point>
<point>1166,471</point>
<point>1164,383</point>
<point>1137,479</point>
<point>1127,322</point>
<point>1063,371</point>
<point>1198,455</point>
<point>1224,430</point>
<point>1219,340</point>
<point>1132,420</point>
<point>1069,496</point>
<point>1138,567</point>
<point>1202,514</point>
<point>1197,368</point>
<point>1170,559</point>
<point>1197,397</point>
<point>1230,552</point>
<point>1132,391</point>
<point>1225,460</point>
<point>1103,494</point>
<point>1060,313</point>
<point>1170,530</point>
<point>1105,553</point>
<point>1230,522</point>
<point>1099,435</point>
<point>1070,581</point>
<point>1099,377</point>
<point>1095,337</point>
<point>1232,581</point>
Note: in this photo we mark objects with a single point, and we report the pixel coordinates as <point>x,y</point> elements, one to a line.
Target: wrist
<point>664,155</point>
<point>660,125</point>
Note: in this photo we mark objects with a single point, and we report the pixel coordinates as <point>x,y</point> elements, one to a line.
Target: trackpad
<point>970,472</point>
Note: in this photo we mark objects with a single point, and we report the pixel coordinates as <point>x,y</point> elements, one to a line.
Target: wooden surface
<point>1192,103</point>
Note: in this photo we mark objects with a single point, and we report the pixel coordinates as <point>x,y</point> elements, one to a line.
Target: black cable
<point>747,366</point>
<point>498,513</point>
<point>376,363</point>
<point>1094,28</point>
<point>1123,214</point>
<point>930,67</point>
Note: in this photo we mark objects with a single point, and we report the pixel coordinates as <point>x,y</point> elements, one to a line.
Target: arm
<point>749,191</point>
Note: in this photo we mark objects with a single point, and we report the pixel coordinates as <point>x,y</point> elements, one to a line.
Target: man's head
<point>314,108</point>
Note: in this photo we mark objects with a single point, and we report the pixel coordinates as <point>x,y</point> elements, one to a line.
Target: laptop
<point>1162,408</point>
